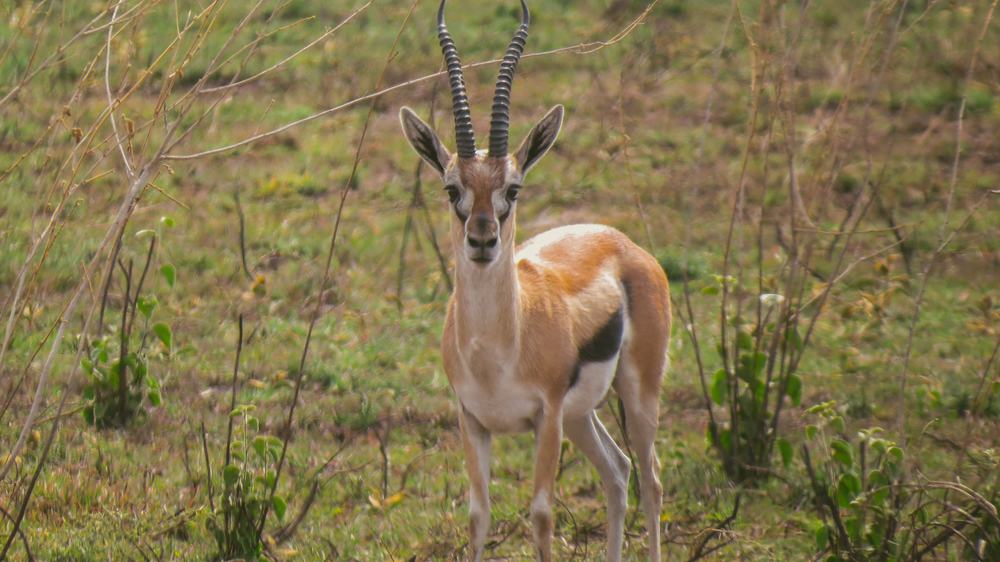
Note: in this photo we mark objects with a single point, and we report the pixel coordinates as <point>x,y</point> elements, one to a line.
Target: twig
<point>326,278</point>
<point>234,386</point>
<point>112,103</point>
<point>243,239</point>
<point>38,467</point>
<point>689,325</point>
<point>700,550</point>
<point>915,317</point>
<point>626,142</point>
<point>123,348</point>
<point>118,226</point>
<point>986,372</point>
<point>208,468</point>
<point>20,533</point>
<point>584,48</point>
<point>417,201</point>
<point>280,63</point>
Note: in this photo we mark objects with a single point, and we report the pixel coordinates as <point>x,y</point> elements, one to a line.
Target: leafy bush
<point>119,380</point>
<point>247,480</point>
<point>871,510</point>
<point>758,373</point>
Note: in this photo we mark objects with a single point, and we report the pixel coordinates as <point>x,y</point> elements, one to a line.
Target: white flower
<point>771,299</point>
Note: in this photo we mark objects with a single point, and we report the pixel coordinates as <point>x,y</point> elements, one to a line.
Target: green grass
<point>374,360</point>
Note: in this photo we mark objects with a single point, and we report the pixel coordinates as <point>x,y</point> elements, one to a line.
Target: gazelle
<point>535,337</point>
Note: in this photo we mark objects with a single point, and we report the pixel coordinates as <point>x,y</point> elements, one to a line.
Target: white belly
<point>590,389</point>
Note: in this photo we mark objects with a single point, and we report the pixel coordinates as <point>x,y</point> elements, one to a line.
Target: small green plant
<point>118,366</point>
<point>247,480</point>
<point>758,374</point>
<point>871,510</point>
<point>856,488</point>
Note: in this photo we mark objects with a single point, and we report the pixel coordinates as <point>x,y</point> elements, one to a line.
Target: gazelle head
<point>482,186</point>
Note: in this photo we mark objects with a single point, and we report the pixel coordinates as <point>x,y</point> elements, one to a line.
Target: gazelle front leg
<point>548,441</point>
<point>476,442</point>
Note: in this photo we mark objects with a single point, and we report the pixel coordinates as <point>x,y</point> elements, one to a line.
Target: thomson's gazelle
<point>535,336</point>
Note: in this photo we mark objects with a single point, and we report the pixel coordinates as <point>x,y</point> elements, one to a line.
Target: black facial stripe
<point>602,346</point>
<point>503,217</point>
<point>461,216</point>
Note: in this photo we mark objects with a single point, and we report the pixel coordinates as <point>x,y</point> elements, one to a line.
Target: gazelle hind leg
<point>590,436</point>
<point>642,421</point>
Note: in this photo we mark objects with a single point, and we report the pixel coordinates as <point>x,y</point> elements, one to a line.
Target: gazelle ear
<point>539,140</point>
<point>424,140</point>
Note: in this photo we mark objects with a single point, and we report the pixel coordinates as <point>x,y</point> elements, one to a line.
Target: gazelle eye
<point>453,194</point>
<point>512,192</point>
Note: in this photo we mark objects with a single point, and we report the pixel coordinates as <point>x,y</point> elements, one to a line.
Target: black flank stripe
<point>602,346</point>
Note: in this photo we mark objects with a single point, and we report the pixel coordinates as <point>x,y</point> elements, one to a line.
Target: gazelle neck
<point>487,301</point>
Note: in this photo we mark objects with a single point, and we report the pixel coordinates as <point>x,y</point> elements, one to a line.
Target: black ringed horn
<point>500,117</point>
<point>465,137</point>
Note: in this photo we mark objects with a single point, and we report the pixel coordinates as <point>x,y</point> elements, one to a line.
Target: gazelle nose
<point>480,243</point>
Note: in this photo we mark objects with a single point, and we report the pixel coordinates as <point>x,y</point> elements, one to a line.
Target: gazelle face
<point>482,193</point>
<point>482,190</point>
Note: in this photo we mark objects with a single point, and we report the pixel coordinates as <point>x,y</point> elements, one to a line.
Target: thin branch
<point>584,48</point>
<point>345,190</point>
<point>280,63</point>
<point>112,103</point>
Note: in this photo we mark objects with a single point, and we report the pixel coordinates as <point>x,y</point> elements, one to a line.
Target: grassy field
<point>690,115</point>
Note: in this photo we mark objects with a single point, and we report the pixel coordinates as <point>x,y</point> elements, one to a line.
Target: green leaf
<point>841,451</point>
<point>146,305</point>
<point>114,373</point>
<point>710,290</point>
<point>792,337</point>
<point>154,397</point>
<point>853,526</point>
<point>752,366</point>
<point>279,507</point>
<point>759,362</point>
<point>230,474</point>
<point>853,483</point>
<point>167,221</point>
<point>811,431</point>
<point>896,453</point>
<point>837,422</point>
<point>274,445</point>
<point>163,332</point>
<point>879,496</point>
<point>726,440</point>
<point>846,489</point>
<point>242,409</point>
<point>744,341</point>
<point>720,387</point>
<point>822,537</point>
<point>269,478</point>
<point>785,448</point>
<point>169,273</point>
<point>260,446</point>
<point>794,389</point>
